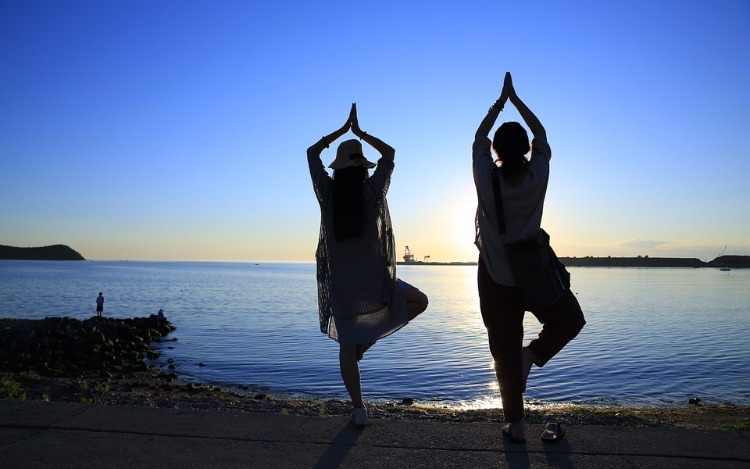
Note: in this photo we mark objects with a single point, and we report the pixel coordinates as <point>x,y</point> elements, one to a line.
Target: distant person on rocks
<point>360,299</point>
<point>522,185</point>
<point>160,315</point>
<point>100,305</point>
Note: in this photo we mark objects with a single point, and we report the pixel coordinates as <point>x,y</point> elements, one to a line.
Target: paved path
<point>37,434</point>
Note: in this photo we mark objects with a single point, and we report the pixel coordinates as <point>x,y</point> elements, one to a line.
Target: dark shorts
<point>99,308</point>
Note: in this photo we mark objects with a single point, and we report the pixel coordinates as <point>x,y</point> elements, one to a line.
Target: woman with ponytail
<point>511,191</point>
<point>360,299</point>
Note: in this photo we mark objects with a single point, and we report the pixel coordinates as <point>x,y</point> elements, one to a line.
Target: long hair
<point>511,143</point>
<point>348,202</point>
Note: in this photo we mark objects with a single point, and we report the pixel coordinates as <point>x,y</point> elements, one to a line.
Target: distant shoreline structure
<point>61,252</point>
<point>723,262</point>
<point>435,263</point>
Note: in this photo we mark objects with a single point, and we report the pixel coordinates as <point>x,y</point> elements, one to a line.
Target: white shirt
<point>522,205</point>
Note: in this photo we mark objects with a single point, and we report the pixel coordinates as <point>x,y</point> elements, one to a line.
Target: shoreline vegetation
<point>61,252</point>
<point>108,361</point>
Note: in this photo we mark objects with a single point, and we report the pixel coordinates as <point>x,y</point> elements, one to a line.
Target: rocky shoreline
<point>105,361</point>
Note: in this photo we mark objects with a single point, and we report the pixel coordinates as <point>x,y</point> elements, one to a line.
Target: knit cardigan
<point>374,289</point>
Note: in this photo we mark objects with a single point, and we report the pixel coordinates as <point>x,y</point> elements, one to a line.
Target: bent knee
<point>423,300</point>
<point>573,327</point>
<point>414,295</point>
<point>578,323</point>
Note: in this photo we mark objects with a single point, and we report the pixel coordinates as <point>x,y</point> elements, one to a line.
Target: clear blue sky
<point>178,129</point>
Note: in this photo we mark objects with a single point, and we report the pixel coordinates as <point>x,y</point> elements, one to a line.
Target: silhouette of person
<point>100,305</point>
<point>360,299</point>
<point>523,185</point>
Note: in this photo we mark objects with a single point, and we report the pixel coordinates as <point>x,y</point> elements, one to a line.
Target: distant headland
<point>56,252</point>
<point>733,262</point>
<point>721,262</point>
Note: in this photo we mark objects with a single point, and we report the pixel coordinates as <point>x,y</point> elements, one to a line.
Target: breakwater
<point>64,346</point>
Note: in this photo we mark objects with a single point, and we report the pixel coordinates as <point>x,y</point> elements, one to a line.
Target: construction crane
<point>408,256</point>
<point>427,258</point>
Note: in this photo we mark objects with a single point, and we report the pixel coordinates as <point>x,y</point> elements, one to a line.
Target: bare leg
<point>416,302</point>
<point>527,360</point>
<point>362,348</point>
<point>350,374</point>
<point>515,430</point>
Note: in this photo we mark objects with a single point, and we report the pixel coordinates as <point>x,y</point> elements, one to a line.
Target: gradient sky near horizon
<point>177,130</point>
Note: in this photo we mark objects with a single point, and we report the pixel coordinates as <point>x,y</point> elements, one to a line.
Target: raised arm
<point>531,120</point>
<point>325,142</point>
<point>489,120</point>
<point>383,148</point>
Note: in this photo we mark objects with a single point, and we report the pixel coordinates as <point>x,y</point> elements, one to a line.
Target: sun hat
<point>349,153</point>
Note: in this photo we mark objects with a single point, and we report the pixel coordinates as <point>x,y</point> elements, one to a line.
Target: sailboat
<point>723,268</point>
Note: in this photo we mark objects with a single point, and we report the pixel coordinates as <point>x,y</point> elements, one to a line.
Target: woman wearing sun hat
<point>360,299</point>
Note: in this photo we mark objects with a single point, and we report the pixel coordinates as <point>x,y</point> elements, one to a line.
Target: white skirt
<point>367,328</point>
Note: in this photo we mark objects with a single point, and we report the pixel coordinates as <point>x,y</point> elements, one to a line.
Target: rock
<point>193,388</point>
<point>69,347</point>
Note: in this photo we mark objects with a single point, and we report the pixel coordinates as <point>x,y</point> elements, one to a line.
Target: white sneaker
<point>359,417</point>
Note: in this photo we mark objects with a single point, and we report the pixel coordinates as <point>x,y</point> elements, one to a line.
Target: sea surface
<point>655,336</point>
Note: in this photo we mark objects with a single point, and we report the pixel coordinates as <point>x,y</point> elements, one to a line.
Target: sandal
<point>527,362</point>
<point>508,433</point>
<point>553,432</point>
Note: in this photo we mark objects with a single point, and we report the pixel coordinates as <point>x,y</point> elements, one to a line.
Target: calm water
<point>655,337</point>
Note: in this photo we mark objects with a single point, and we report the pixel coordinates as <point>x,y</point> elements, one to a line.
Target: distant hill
<point>734,262</point>
<point>639,261</point>
<point>57,252</point>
